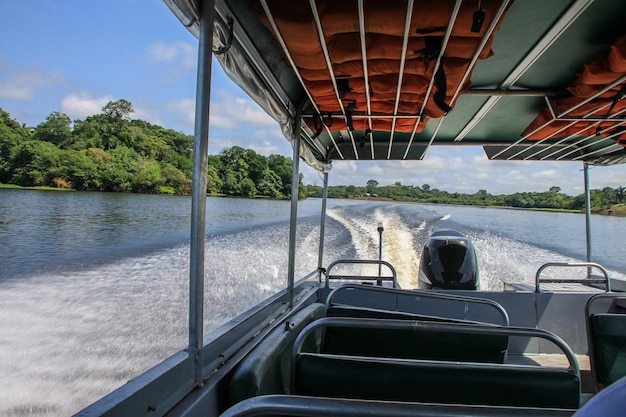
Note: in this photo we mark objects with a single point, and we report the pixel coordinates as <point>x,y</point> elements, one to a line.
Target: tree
<point>247,187</point>
<point>282,166</point>
<point>214,182</point>
<point>32,162</point>
<point>56,129</point>
<point>11,134</point>
<point>426,187</point>
<point>79,170</point>
<point>231,182</point>
<point>118,110</point>
<point>118,173</point>
<point>371,186</point>
<point>270,184</point>
<point>482,194</point>
<point>555,189</point>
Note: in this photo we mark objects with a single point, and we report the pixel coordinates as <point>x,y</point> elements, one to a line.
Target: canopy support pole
<point>320,255</point>
<point>198,188</point>
<point>293,220</point>
<point>587,213</point>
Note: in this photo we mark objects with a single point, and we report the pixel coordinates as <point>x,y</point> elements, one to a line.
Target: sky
<point>74,56</point>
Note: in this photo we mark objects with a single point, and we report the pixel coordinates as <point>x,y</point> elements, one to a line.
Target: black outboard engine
<point>448,262</point>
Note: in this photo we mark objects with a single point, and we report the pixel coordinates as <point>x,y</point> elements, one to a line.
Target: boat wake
<point>71,336</point>
<point>406,230</point>
<point>398,241</point>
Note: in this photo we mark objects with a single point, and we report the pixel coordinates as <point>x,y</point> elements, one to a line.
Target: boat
<point>365,80</point>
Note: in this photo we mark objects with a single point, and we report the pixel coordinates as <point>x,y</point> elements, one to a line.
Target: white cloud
<point>180,53</point>
<point>232,112</point>
<point>186,111</point>
<point>20,83</point>
<point>147,115</point>
<point>82,105</point>
<point>610,176</point>
<point>467,170</point>
<point>268,148</point>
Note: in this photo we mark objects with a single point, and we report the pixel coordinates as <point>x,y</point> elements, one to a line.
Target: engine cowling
<point>448,262</point>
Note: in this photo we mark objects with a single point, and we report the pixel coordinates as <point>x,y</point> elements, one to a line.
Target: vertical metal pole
<point>380,252</point>
<point>198,190</point>
<point>587,213</point>
<point>295,184</point>
<point>320,255</point>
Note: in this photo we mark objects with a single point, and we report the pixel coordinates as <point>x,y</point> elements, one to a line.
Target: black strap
<point>621,94</point>
<point>440,95</point>
<point>349,109</point>
<point>432,49</point>
<point>320,118</point>
<point>224,48</point>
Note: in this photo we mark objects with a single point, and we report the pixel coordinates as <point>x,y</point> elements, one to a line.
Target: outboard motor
<point>448,262</point>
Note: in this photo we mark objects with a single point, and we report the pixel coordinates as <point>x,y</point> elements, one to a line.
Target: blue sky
<point>74,56</point>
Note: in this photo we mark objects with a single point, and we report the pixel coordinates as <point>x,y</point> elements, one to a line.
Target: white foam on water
<point>399,246</point>
<point>70,338</point>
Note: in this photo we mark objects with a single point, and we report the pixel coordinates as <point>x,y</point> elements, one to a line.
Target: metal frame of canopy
<point>293,126</point>
<point>169,384</point>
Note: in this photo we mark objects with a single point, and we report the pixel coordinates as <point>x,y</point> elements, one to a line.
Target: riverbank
<point>40,188</point>
<point>615,210</point>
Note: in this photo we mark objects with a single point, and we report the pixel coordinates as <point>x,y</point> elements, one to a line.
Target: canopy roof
<point>525,79</point>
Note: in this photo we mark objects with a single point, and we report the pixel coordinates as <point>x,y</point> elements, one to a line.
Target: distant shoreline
<point>618,210</point>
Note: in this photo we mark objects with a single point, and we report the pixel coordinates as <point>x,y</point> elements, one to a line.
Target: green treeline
<point>111,152</point>
<point>606,199</point>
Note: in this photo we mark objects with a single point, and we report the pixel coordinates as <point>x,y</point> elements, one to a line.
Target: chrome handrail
<point>426,294</point>
<point>460,328</point>
<point>378,278</point>
<point>606,281</point>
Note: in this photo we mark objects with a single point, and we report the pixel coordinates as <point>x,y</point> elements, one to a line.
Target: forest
<point>112,152</point>
<point>607,199</point>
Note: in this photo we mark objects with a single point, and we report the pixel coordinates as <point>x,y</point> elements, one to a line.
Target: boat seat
<point>354,300</point>
<point>606,338</point>
<point>418,344</point>
<point>392,379</point>
<point>267,369</point>
<point>302,406</point>
<point>425,303</point>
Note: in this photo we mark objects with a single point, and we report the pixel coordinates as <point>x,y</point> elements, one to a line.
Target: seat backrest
<point>429,303</point>
<point>453,382</point>
<point>418,344</point>
<point>267,368</point>
<point>445,382</point>
<point>606,335</point>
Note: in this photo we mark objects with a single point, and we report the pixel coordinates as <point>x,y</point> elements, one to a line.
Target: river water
<point>93,286</point>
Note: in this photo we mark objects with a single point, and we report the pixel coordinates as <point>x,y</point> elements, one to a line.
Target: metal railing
<point>457,328</point>
<point>398,294</point>
<point>378,278</point>
<point>606,281</point>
